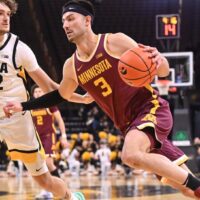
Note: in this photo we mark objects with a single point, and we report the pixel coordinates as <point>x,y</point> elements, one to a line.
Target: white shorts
<point>23,142</point>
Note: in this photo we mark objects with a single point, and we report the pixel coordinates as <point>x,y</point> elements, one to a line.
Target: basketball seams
<point>151,70</point>
<point>141,77</point>
<point>148,68</point>
<point>140,69</point>
<point>131,66</point>
<point>141,59</point>
<point>142,84</point>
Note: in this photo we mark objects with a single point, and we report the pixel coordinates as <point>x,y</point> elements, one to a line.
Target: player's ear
<point>88,20</point>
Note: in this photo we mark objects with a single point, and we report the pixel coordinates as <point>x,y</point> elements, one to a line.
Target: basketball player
<point>44,120</point>
<point>18,131</point>
<point>142,116</point>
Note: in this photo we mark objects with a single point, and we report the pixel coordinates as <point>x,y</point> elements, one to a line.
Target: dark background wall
<point>38,23</point>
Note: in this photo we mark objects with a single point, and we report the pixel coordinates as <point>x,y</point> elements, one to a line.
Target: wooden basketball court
<point>136,187</point>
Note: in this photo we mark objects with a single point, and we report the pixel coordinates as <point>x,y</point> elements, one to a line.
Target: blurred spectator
<point>103,155</point>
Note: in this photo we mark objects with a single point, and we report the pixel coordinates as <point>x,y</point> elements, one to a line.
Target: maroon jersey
<point>44,120</point>
<point>121,102</point>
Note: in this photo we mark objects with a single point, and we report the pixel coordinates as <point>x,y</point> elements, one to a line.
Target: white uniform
<point>104,156</point>
<point>74,163</point>
<point>18,131</point>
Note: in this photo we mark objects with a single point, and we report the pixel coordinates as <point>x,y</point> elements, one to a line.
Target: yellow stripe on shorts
<point>27,156</point>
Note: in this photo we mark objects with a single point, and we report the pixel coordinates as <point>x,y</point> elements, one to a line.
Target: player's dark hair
<point>33,88</point>
<point>11,4</point>
<point>84,7</point>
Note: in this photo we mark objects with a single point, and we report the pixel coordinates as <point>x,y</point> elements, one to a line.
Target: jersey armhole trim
<point>106,49</point>
<point>74,68</point>
<point>6,42</point>
<point>14,53</point>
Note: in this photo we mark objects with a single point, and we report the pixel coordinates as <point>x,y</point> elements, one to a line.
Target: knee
<point>132,159</point>
<point>45,184</point>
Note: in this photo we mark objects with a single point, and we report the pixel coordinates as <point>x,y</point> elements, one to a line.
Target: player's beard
<point>2,32</point>
<point>70,40</point>
<point>75,38</point>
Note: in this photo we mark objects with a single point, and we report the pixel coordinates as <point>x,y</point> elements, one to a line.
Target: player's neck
<point>87,45</point>
<point>2,36</point>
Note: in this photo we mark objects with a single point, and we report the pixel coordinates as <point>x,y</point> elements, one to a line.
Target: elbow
<point>163,73</point>
<point>163,69</point>
<point>62,96</point>
<point>68,99</point>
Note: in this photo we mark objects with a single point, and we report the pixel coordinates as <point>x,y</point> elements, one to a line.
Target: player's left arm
<point>162,67</point>
<point>161,62</point>
<point>119,43</point>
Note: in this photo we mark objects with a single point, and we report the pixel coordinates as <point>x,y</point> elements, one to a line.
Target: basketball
<point>136,68</point>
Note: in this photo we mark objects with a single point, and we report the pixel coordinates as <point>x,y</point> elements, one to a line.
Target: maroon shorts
<point>48,141</point>
<point>170,151</point>
<point>157,125</point>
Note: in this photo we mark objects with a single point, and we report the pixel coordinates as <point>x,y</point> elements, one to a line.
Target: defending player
<point>19,131</point>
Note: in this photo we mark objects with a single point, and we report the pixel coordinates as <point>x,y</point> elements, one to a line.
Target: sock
<point>73,197</point>
<point>192,182</point>
<point>76,196</point>
<point>55,173</point>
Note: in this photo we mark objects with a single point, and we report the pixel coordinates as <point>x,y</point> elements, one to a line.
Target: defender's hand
<point>12,107</point>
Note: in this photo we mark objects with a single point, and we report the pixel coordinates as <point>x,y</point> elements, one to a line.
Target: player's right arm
<point>30,64</point>
<point>70,83</point>
<point>65,90</point>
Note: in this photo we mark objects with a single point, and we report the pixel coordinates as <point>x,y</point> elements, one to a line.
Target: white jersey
<point>18,131</point>
<point>15,57</point>
<point>103,154</point>
<point>73,156</point>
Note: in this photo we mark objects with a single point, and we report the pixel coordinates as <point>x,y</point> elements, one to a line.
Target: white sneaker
<point>44,195</point>
<point>77,196</point>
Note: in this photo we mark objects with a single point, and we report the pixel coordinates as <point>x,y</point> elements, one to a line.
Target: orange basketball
<point>136,68</point>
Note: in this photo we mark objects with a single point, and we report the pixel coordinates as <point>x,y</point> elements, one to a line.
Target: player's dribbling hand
<point>87,98</point>
<point>156,56</point>
<point>12,107</point>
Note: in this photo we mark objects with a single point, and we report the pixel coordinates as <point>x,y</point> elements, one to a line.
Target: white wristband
<point>64,136</point>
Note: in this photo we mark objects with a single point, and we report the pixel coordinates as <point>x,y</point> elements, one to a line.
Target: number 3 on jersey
<point>101,82</point>
<point>1,80</point>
